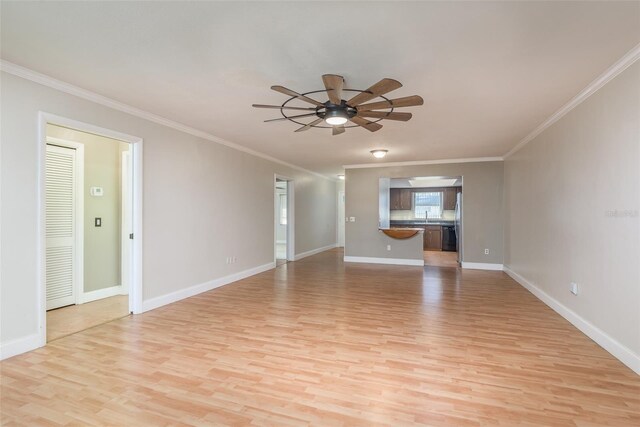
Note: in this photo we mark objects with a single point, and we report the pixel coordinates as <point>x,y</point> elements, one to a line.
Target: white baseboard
<point>20,345</point>
<point>203,287</point>
<point>393,261</point>
<point>99,294</point>
<point>313,252</point>
<point>482,266</point>
<point>618,350</point>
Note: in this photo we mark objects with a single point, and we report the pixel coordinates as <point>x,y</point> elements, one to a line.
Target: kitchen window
<point>427,204</point>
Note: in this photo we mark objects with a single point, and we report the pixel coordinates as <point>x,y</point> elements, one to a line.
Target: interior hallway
<point>326,343</point>
<point>75,318</point>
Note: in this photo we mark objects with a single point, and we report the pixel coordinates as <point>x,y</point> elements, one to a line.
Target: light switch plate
<point>97,222</point>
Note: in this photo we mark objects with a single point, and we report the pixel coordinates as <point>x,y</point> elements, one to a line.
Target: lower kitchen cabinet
<point>433,238</point>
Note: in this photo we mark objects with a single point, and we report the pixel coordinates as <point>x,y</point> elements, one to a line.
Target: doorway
<point>432,203</point>
<point>90,209</point>
<point>283,237</point>
<point>341,218</point>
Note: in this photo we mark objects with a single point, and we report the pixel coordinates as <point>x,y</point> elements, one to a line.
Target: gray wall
<point>102,245</point>
<point>572,197</point>
<point>482,214</point>
<point>202,202</point>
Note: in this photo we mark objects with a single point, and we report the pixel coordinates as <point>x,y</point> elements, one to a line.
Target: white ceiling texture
<point>489,72</point>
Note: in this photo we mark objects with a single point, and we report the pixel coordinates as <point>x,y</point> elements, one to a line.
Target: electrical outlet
<point>574,288</point>
<point>388,247</point>
<point>352,219</point>
<point>486,251</point>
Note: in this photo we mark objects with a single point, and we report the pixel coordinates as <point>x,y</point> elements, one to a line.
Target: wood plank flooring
<point>318,342</point>
<point>441,258</point>
<point>75,318</point>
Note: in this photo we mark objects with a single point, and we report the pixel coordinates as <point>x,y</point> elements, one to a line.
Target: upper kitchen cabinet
<point>449,198</point>
<point>401,199</point>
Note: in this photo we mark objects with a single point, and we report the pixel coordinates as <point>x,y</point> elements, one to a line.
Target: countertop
<point>421,223</point>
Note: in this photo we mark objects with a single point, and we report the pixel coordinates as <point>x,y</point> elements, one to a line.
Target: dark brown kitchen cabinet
<point>449,199</point>
<point>433,238</point>
<point>400,199</point>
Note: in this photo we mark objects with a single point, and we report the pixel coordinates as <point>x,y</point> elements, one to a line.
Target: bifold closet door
<point>60,183</point>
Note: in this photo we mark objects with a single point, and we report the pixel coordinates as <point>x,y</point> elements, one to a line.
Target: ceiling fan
<point>336,112</point>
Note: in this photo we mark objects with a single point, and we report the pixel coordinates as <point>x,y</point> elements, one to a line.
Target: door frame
<point>78,223</point>
<point>135,273</point>
<point>290,217</point>
<point>126,175</point>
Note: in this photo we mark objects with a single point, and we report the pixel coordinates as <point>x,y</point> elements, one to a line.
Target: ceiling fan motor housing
<point>335,110</point>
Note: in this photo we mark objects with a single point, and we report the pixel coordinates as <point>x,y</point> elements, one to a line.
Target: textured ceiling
<point>489,72</point>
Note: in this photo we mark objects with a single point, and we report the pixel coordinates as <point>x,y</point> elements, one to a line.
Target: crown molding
<point>618,67</point>
<point>48,81</point>
<point>424,162</point>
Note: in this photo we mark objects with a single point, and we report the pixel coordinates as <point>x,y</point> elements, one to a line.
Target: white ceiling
<point>489,72</point>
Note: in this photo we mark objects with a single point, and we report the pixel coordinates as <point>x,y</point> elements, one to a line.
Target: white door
<point>60,182</point>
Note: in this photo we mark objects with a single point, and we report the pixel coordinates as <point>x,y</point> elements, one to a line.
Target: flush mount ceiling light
<point>378,154</point>
<point>336,112</point>
<point>341,177</point>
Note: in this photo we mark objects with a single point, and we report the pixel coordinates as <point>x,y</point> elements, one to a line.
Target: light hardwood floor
<point>441,258</point>
<point>318,342</point>
<point>75,318</point>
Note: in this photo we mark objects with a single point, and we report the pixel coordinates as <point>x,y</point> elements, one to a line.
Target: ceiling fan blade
<point>334,84</point>
<point>291,117</point>
<point>307,127</point>
<point>337,130</point>
<point>284,107</point>
<point>290,92</point>
<point>380,88</point>
<point>403,117</point>
<point>370,126</point>
<point>407,101</point>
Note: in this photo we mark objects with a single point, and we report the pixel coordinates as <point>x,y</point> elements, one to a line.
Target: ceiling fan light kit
<point>336,112</point>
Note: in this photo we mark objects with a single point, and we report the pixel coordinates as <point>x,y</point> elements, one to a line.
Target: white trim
<point>618,67</point>
<point>112,291</point>
<point>424,162</point>
<point>393,261</point>
<point>181,294</point>
<point>618,350</point>
<point>45,80</point>
<point>482,266</point>
<point>299,256</point>
<point>19,346</point>
<point>126,244</point>
<point>291,220</point>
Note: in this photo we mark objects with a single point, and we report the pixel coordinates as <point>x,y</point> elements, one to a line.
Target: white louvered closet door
<point>60,231</point>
